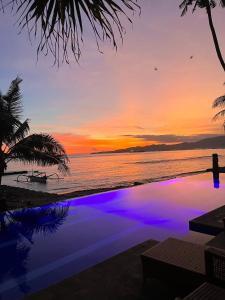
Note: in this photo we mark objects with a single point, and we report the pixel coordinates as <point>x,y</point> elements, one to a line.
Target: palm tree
<point>207,5</point>
<point>16,144</point>
<point>59,25</point>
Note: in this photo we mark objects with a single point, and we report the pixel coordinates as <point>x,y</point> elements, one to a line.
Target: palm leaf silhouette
<point>219,102</point>
<point>16,144</point>
<point>40,219</point>
<point>208,5</point>
<point>59,25</point>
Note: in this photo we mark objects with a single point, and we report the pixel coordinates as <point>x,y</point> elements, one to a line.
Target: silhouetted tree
<point>219,102</point>
<point>207,5</point>
<point>16,144</point>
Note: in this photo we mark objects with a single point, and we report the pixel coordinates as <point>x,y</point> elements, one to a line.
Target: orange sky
<point>176,99</point>
<point>87,144</point>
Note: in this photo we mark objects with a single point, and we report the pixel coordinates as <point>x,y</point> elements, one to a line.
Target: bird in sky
<point>156,69</point>
<point>191,56</point>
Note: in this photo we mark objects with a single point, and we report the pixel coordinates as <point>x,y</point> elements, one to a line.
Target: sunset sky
<point>116,99</point>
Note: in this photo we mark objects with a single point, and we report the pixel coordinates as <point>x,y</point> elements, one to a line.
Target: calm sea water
<point>98,171</point>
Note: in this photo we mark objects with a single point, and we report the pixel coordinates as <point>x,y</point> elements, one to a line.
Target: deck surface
<point>118,278</point>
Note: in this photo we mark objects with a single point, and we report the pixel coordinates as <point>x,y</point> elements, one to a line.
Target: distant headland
<point>217,142</point>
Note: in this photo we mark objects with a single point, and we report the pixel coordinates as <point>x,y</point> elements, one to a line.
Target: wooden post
<point>215,162</point>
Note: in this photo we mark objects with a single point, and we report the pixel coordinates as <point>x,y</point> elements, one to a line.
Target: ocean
<point>92,171</point>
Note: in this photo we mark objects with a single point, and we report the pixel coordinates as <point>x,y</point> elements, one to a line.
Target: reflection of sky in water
<point>45,245</point>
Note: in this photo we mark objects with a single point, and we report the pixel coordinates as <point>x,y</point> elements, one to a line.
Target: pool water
<point>44,245</point>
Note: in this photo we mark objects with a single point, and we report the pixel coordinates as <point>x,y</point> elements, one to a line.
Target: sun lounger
<point>177,260</point>
<point>207,291</point>
<point>169,258</point>
<point>214,289</point>
<point>215,266</point>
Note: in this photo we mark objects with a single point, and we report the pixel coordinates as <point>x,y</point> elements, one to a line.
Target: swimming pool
<point>41,246</point>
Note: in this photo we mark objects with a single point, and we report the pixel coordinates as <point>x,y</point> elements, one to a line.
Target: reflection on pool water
<point>44,245</point>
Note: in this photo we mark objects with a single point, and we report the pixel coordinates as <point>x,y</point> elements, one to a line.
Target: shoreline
<point>13,197</point>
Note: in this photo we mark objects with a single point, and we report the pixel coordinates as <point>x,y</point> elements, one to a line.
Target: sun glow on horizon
<point>85,144</point>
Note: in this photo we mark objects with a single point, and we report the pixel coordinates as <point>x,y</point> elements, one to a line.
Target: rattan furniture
<point>207,291</point>
<point>214,289</point>
<point>177,260</point>
<point>215,266</point>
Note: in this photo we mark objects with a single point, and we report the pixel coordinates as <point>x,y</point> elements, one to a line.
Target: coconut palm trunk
<point>213,31</point>
<point>2,164</point>
<point>1,174</point>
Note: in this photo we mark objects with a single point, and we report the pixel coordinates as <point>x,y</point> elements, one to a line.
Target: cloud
<point>79,143</point>
<point>171,138</point>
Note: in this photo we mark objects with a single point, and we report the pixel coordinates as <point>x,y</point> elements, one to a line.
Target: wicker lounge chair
<point>215,266</point>
<point>176,260</point>
<point>207,291</point>
<point>214,289</point>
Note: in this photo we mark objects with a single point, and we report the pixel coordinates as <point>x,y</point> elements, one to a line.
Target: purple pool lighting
<point>44,245</point>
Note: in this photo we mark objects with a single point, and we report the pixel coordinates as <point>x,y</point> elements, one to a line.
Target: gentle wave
<point>126,184</point>
<point>170,160</point>
<point>166,177</point>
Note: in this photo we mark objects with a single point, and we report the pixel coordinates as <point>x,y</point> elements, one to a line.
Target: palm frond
<point>13,99</point>
<point>10,110</point>
<point>20,133</point>
<point>41,149</point>
<point>219,102</point>
<point>222,3</point>
<point>184,5</point>
<point>60,24</point>
<point>8,125</point>
<point>1,101</point>
<point>219,115</point>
